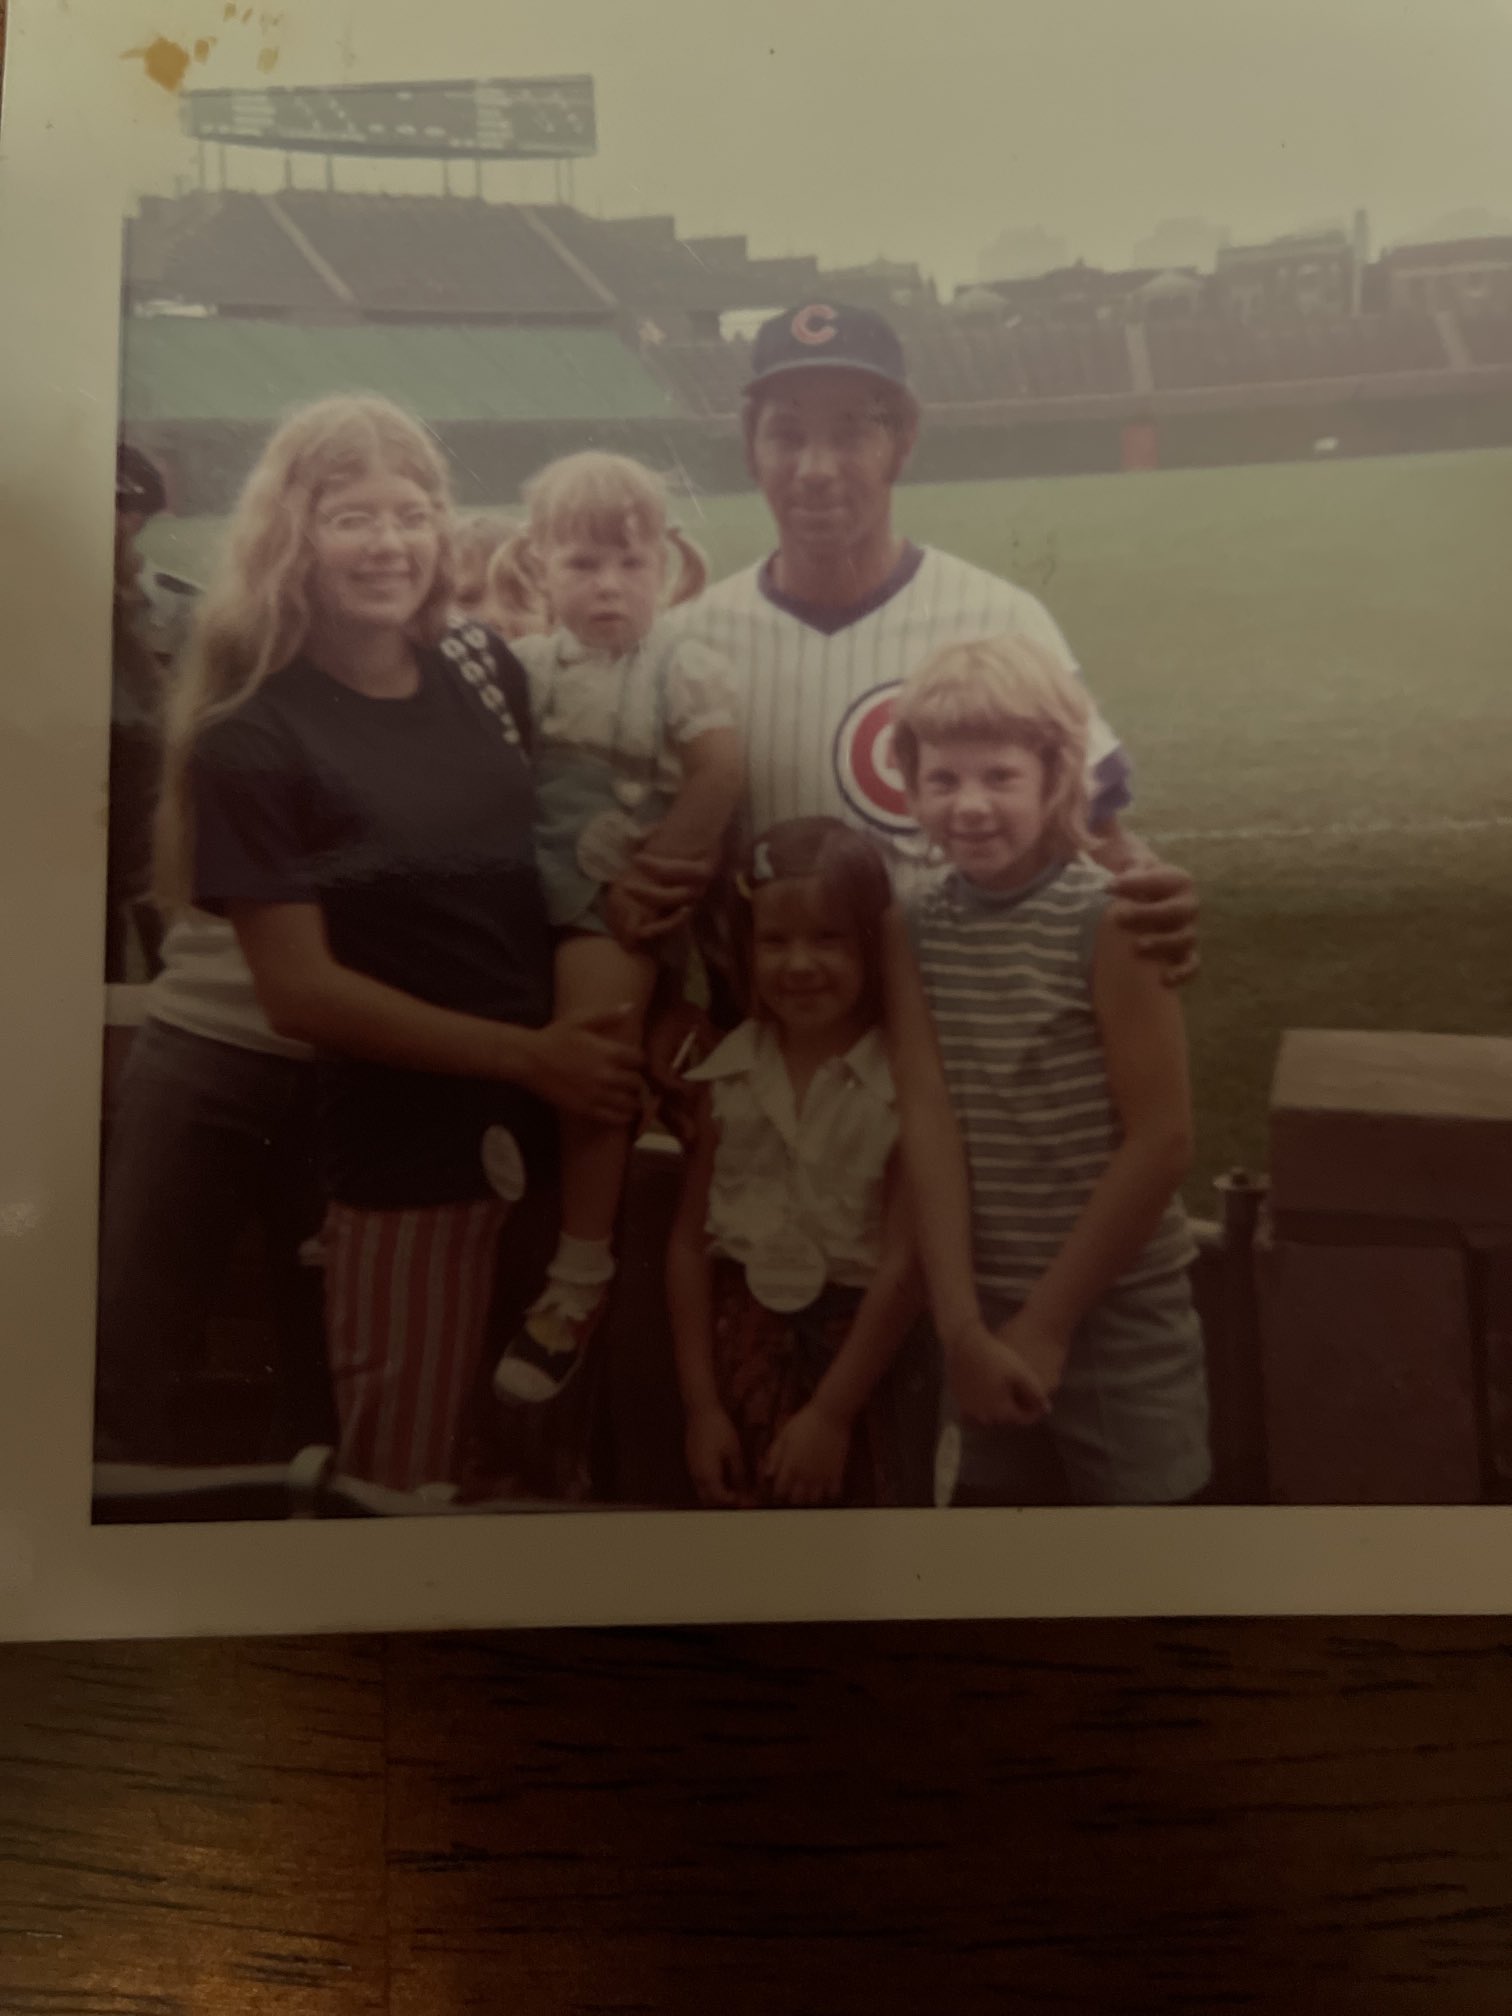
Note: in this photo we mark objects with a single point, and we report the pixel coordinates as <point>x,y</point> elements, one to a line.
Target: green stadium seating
<point>178,368</point>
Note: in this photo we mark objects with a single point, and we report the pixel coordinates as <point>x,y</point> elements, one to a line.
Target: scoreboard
<point>505,118</point>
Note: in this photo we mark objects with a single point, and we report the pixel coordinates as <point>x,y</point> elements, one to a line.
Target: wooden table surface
<point>1300,1816</point>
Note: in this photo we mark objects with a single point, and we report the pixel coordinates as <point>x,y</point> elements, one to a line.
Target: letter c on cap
<point>815,325</point>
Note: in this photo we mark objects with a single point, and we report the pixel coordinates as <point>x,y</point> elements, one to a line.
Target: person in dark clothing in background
<point>152,614</point>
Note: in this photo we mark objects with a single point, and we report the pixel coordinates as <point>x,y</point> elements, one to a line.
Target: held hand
<point>1043,1350</point>
<point>1158,903</point>
<point>806,1463</point>
<point>991,1383</point>
<point>715,1463</point>
<point>583,1066</point>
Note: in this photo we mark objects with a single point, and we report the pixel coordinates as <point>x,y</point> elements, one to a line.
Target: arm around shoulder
<point>1156,901</point>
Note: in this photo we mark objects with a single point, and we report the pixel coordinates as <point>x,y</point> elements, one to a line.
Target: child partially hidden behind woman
<point>1042,1088</point>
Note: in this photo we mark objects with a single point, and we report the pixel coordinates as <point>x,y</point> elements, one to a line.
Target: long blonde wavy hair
<point>255,617</point>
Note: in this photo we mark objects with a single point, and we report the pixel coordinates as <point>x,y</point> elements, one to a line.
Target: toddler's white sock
<point>582,1263</point>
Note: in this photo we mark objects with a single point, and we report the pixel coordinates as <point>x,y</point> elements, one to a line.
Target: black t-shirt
<point>410,823</point>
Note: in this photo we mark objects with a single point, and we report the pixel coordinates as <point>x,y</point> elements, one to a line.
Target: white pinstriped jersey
<point>816,701</point>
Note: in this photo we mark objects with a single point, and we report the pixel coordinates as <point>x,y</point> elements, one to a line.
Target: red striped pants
<point>407,1297</point>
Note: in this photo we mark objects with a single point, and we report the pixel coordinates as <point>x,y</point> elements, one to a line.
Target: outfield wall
<point>205,461</point>
<point>1212,430</point>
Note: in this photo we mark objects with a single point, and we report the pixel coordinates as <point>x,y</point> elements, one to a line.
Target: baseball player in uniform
<point>823,632</point>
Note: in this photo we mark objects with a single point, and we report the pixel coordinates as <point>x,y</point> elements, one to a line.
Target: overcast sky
<point>852,128</point>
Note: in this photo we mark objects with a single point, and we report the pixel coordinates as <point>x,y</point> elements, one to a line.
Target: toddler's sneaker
<point>549,1346</point>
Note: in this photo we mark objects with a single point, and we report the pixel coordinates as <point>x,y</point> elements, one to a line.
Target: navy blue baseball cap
<point>821,335</point>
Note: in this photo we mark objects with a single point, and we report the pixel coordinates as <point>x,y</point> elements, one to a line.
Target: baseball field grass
<point>1312,667</point>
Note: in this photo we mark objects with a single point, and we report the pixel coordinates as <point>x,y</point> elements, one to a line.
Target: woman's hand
<point>806,1463</point>
<point>581,1066</point>
<point>715,1463</point>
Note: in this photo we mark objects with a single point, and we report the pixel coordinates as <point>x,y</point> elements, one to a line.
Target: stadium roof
<point>180,368</point>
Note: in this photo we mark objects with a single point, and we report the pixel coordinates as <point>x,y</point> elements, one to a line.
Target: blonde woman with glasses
<point>348,781</point>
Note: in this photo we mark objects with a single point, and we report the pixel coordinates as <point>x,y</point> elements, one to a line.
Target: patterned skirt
<point>768,1367</point>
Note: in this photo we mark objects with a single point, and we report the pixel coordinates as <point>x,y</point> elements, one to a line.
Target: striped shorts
<point>407,1297</point>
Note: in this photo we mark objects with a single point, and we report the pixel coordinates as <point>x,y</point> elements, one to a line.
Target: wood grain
<point>1077,1817</point>
<point>192,1828</point>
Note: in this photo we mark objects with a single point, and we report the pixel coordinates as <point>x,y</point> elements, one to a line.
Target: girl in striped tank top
<point>1045,1110</point>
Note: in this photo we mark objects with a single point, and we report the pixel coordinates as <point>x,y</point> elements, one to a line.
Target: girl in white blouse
<point>791,1276</point>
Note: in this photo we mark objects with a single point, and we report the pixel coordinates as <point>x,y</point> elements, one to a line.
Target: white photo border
<point>68,99</point>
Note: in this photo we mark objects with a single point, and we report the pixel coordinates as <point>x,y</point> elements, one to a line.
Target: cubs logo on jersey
<point>866,771</point>
<point>816,701</point>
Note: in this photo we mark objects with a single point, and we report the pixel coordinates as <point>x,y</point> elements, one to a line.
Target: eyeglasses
<point>362,524</point>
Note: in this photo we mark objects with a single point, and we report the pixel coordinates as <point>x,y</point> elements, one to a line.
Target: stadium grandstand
<point>513,327</point>
<point>1293,350</point>
<point>307,252</point>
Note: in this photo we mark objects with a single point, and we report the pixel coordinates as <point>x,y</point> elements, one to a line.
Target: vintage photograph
<point>807,766</point>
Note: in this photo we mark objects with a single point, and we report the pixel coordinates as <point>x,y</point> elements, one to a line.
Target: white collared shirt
<point>818,1168</point>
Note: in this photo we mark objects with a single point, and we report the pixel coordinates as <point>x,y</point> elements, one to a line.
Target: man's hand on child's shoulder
<point>1158,903</point>
<point>992,1384</point>
<point>1151,898</point>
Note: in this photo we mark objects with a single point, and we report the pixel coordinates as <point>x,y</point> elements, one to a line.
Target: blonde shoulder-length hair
<point>1005,689</point>
<point>255,617</point>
